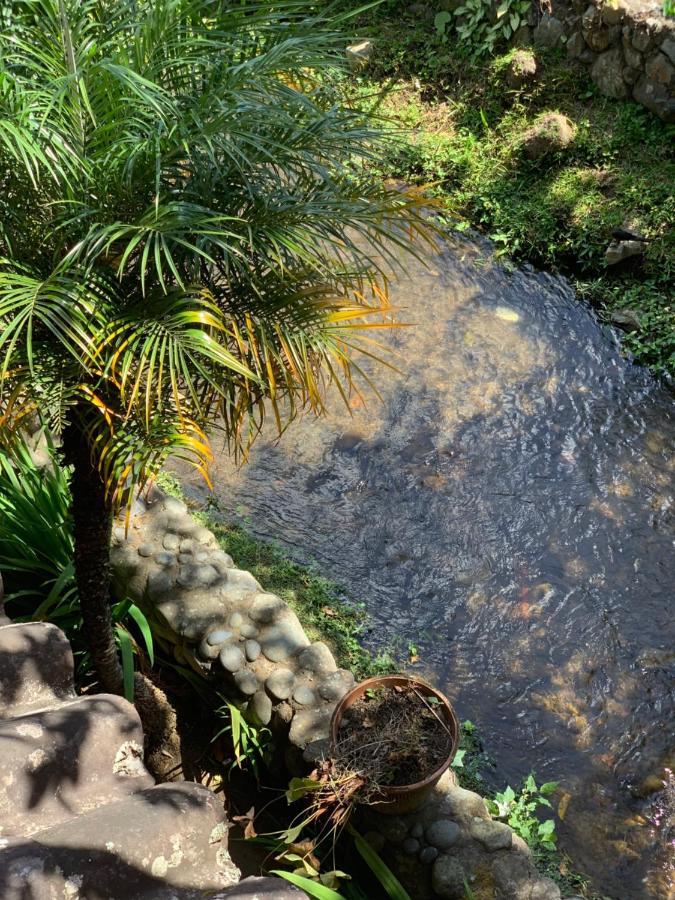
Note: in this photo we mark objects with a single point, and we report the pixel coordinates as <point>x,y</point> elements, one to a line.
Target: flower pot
<point>400,799</point>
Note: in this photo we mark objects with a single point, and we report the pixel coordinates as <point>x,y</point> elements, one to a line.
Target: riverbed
<point>507,508</point>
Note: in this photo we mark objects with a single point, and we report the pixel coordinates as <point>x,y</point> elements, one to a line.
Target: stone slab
<point>36,667</point>
<point>169,841</point>
<point>68,760</point>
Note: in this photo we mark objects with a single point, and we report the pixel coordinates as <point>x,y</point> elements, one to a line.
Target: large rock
<point>522,69</point>
<point>607,73</point>
<point>618,251</point>
<point>157,844</point>
<point>598,36</point>
<point>67,760</point>
<point>551,133</point>
<point>36,667</point>
<point>656,97</point>
<point>660,69</point>
<point>548,32</point>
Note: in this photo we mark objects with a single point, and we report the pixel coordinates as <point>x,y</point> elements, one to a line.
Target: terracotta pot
<point>398,799</point>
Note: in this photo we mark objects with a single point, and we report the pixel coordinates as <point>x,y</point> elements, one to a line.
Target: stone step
<point>67,760</point>
<point>36,668</point>
<point>167,842</point>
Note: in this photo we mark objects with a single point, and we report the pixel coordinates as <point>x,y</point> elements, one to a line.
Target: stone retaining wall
<point>222,623</point>
<point>628,45</point>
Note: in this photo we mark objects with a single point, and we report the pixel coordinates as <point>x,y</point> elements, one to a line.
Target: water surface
<point>507,508</point>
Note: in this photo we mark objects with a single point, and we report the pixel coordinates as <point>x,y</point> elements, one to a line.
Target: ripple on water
<point>508,507</point>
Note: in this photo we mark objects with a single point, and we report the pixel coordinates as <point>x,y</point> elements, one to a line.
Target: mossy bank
<point>463,126</point>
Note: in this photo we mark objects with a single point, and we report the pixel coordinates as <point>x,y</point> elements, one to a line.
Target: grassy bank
<point>463,133</point>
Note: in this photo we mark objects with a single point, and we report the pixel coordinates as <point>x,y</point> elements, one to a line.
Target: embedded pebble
<point>280,683</point>
<point>119,535</point>
<point>492,835</point>
<point>442,834</point>
<point>252,650</point>
<point>202,557</point>
<point>261,706</point>
<point>146,550</point>
<point>174,505</point>
<point>236,620</point>
<point>309,726</point>
<point>159,583</point>
<point>304,695</point>
<point>207,651</point>
<point>318,658</point>
<point>248,631</point>
<point>202,535</point>
<point>417,831</point>
<point>428,855</point>
<point>231,658</point>
<point>220,558</point>
<point>246,681</point>
<point>336,685</point>
<point>164,558</point>
<point>185,558</point>
<point>266,607</point>
<point>410,846</point>
<point>171,542</point>
<point>197,576</point>
<point>219,636</point>
<point>187,545</point>
<point>282,640</point>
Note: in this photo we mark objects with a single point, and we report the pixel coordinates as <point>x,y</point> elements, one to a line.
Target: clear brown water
<point>508,509</point>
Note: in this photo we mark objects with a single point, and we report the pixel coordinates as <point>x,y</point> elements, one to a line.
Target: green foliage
<point>250,744</point>
<point>311,888</point>
<point>189,234</point>
<point>36,558</point>
<point>475,26</point>
<point>668,7</point>
<point>378,867</point>
<point>518,810</point>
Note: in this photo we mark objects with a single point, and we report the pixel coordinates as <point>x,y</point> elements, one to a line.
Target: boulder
<point>660,69</point>
<point>656,97</point>
<point>618,251</point>
<point>548,32</point>
<point>598,36</point>
<point>522,69</point>
<point>607,73</point>
<point>551,133</point>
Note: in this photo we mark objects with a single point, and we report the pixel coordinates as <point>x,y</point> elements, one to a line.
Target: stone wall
<point>628,45</point>
<point>221,622</point>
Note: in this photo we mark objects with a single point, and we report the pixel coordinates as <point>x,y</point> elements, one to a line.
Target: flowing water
<point>507,508</point>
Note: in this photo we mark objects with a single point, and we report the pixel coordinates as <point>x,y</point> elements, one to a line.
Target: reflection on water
<point>508,508</point>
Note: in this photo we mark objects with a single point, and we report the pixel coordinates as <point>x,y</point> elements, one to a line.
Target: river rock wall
<point>628,46</point>
<point>222,623</point>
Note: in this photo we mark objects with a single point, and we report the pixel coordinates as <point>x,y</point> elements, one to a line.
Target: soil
<point>394,736</point>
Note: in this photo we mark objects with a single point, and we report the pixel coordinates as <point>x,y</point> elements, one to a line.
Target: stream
<point>507,508</point>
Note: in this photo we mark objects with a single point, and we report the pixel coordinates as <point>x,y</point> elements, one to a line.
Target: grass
<point>462,129</point>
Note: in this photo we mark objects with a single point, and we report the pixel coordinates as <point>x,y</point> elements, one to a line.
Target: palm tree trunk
<point>92,527</point>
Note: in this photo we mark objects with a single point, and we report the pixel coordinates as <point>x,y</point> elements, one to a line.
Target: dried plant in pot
<point>391,740</point>
<point>398,735</point>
